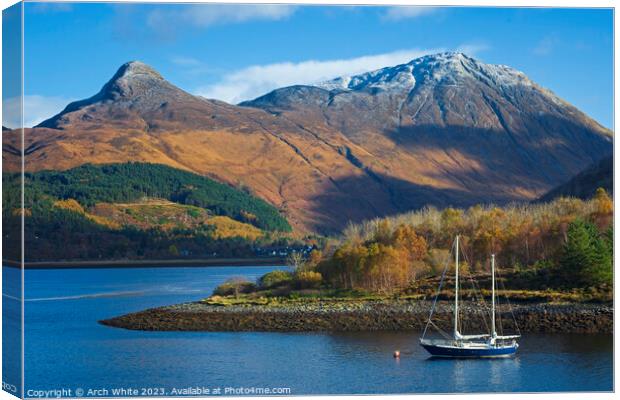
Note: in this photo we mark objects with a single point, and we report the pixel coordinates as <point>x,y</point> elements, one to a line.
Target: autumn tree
<point>296,261</point>
<point>390,260</point>
<point>412,247</point>
<point>314,259</point>
<point>603,208</point>
<point>451,223</point>
<point>383,232</point>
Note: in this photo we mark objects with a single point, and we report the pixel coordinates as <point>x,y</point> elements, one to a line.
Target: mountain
<point>443,130</point>
<point>451,116</point>
<point>138,97</point>
<point>584,184</point>
<point>138,116</point>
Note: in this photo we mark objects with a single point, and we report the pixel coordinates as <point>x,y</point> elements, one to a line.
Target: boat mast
<point>493,334</point>
<point>456,288</point>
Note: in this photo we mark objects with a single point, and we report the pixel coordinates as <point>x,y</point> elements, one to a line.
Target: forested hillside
<point>108,212</point>
<point>128,182</point>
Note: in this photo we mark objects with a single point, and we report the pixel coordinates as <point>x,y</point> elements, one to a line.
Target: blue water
<point>66,348</point>
<point>11,330</point>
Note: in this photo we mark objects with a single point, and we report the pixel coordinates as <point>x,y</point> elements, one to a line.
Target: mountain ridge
<point>432,66</point>
<point>585,183</point>
<point>448,69</point>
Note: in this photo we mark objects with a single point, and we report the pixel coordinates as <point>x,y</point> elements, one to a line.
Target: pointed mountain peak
<point>135,86</point>
<point>446,56</point>
<point>133,69</point>
<point>132,79</point>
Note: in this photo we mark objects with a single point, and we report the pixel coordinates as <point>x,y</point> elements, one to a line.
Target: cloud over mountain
<point>250,82</point>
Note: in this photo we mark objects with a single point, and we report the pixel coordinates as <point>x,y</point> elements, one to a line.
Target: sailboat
<point>483,345</point>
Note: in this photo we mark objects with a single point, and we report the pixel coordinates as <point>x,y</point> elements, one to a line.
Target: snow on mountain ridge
<point>441,68</point>
<point>385,78</point>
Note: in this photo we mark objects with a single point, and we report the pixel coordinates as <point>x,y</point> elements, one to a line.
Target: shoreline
<point>92,264</point>
<point>330,315</point>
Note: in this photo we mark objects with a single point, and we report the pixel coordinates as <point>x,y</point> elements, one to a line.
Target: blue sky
<point>238,52</point>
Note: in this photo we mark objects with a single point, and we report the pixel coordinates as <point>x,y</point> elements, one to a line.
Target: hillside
<point>134,211</point>
<point>584,184</point>
<point>445,130</point>
<point>166,215</point>
<point>129,182</point>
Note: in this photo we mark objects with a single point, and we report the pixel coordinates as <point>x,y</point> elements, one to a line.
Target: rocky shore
<point>327,315</point>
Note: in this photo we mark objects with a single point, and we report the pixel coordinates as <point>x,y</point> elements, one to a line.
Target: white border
<point>446,3</point>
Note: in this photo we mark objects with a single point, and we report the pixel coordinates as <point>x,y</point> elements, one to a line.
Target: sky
<point>239,52</point>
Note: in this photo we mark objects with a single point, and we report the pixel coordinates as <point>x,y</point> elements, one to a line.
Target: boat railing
<point>507,337</point>
<point>440,342</point>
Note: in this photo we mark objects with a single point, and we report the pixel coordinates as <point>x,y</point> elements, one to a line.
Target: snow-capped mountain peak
<point>450,68</point>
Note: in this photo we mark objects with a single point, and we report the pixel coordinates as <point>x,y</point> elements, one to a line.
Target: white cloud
<point>251,82</point>
<point>206,15</point>
<point>36,109</point>
<point>398,13</point>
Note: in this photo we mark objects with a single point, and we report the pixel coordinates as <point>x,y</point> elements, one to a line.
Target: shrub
<point>275,279</point>
<point>234,286</point>
<point>308,279</point>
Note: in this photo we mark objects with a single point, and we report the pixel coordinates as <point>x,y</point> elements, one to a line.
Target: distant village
<point>283,251</point>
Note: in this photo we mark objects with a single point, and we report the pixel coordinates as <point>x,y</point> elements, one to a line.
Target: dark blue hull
<point>456,352</point>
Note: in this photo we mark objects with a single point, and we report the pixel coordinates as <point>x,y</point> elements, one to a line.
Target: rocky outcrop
<point>363,316</point>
